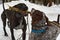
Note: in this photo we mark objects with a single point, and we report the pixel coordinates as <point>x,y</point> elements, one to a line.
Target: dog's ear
<point>32,10</point>
<point>9,7</point>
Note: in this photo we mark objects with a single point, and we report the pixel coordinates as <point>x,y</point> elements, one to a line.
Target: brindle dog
<point>41,30</point>
<point>14,19</point>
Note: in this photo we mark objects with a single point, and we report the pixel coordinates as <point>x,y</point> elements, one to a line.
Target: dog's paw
<point>6,35</point>
<point>13,38</point>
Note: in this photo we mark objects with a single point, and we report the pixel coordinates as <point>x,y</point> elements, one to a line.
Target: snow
<point>58,38</point>
<point>51,12</point>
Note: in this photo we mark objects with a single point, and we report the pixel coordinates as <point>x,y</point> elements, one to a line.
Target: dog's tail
<point>3,4</point>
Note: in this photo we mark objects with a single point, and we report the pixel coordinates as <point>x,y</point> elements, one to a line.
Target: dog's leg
<point>4,26</point>
<point>12,33</point>
<point>24,34</point>
<point>3,17</point>
<point>24,29</point>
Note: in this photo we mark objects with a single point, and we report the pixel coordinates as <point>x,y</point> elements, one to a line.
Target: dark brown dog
<point>14,19</point>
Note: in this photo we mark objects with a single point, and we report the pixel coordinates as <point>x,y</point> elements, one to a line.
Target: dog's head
<point>22,8</point>
<point>38,18</point>
<point>36,15</point>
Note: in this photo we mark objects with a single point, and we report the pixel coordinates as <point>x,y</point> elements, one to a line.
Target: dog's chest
<point>15,20</point>
<point>19,19</point>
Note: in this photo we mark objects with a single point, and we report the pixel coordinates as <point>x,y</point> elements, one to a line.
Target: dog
<point>40,28</point>
<point>15,16</point>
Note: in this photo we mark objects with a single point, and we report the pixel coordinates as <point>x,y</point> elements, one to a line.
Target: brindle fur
<point>13,20</point>
<point>52,31</point>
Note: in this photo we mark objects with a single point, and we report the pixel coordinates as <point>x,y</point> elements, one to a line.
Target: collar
<point>43,30</point>
<point>39,31</point>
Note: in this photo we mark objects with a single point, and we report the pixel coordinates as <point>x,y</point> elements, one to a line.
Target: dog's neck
<point>18,10</point>
<point>14,9</point>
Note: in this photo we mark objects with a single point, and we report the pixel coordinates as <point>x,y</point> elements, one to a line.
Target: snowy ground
<point>51,12</point>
